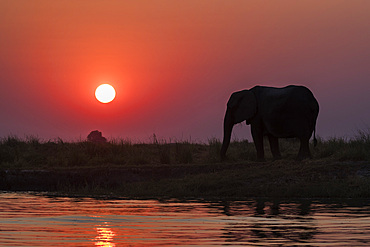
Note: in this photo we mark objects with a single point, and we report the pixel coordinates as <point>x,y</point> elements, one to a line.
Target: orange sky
<point>175,63</point>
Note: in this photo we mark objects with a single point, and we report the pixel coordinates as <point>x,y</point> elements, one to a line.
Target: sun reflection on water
<point>36,220</point>
<point>105,237</point>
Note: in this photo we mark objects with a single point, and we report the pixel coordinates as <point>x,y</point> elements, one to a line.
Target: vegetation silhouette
<point>340,168</point>
<point>96,136</point>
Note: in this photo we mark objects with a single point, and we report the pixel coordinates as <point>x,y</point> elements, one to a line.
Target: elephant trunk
<point>228,127</point>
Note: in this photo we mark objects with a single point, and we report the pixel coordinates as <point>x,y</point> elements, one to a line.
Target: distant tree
<point>96,136</point>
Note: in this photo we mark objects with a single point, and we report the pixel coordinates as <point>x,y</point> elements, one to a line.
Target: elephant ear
<point>243,104</point>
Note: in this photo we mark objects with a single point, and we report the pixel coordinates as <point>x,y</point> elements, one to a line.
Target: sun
<point>105,93</point>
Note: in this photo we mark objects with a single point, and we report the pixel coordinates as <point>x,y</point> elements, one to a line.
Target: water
<point>37,220</point>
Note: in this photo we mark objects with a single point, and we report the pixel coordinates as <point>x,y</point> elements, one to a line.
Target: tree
<point>96,136</point>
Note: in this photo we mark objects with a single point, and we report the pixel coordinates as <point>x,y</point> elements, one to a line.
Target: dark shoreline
<point>278,179</point>
<point>51,179</point>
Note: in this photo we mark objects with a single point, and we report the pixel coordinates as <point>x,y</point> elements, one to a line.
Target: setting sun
<point>105,93</point>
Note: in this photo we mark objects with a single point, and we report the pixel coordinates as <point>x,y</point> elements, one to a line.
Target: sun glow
<point>105,93</point>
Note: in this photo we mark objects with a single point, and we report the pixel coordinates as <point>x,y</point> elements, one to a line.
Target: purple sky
<point>175,63</point>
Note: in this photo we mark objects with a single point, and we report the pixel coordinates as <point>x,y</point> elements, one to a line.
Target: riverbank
<point>280,179</point>
<point>340,169</point>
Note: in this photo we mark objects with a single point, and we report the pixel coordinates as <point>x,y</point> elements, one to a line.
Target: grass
<point>32,153</point>
<point>35,154</point>
<point>340,168</point>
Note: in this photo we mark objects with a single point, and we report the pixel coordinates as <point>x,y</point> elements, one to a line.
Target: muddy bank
<point>270,179</point>
<point>106,177</point>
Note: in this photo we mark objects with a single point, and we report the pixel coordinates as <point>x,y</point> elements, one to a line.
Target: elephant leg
<point>304,150</point>
<point>274,146</point>
<point>258,142</point>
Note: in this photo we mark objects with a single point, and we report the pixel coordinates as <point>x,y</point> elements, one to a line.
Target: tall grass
<point>31,152</point>
<point>344,149</point>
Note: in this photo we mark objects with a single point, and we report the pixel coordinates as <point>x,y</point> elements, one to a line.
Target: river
<point>30,219</point>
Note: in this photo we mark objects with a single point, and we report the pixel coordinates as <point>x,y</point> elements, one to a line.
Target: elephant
<point>288,112</point>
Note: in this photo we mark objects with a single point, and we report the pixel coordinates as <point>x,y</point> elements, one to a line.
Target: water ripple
<point>37,220</point>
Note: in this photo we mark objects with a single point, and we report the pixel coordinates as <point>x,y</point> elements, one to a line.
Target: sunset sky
<point>174,64</point>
